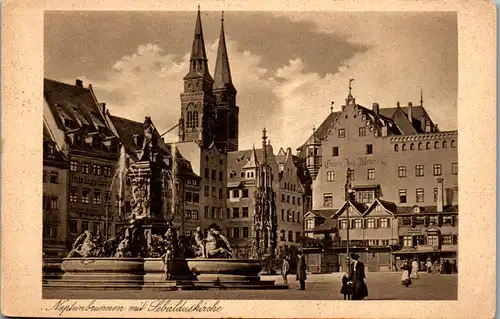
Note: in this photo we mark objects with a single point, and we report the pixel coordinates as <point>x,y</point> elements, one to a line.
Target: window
<point>435,194</point>
<point>54,178</point>
<point>107,197</point>
<point>370,223</point>
<point>428,145</point>
<point>373,242</point>
<point>188,214</point>
<point>213,215</point>
<point>293,200</point>
<point>432,240</point>
<point>236,212</point>
<point>310,224</point>
<point>282,214</point>
<point>419,240</point>
<point>420,195</point>
<point>412,147</point>
<point>358,223</point>
<point>407,241</point>
<point>328,200</point>
<point>396,148</point>
<point>365,196</point>
<point>402,196</point>
<point>207,172</point>
<point>436,169</point>
<point>189,196</point>
<point>220,176</point>
<point>73,166</point>
<point>288,215</point>
<point>341,132</point>
<point>335,151</point>
<point>290,236</point>
<point>244,193</point>
<point>236,193</point>
<point>288,198</point>
<point>350,174</point>
<point>447,239</point>
<point>403,147</point>
<point>445,144</point>
<point>419,170</point>
<point>97,197</point>
<point>207,190</point>
<point>362,131</point>
<point>384,223</point>
<point>420,145</point>
<point>214,191</point>
<point>454,168</point>
<point>298,200</point>
<point>283,198</point>
<point>194,215</point>
<point>73,226</point>
<point>406,220</point>
<point>54,203</point>
<point>436,144</point>
<point>343,223</point>
<point>330,176</point>
<point>245,232</point>
<point>196,198</point>
<point>228,213</point>
<point>245,211</point>
<point>293,216</point>
<point>371,173</point>
<point>447,220</point>
<point>221,194</point>
<point>385,242</point>
<point>401,171</point>
<point>369,149</point>
<point>214,174</point>
<point>207,212</point>
<point>107,171</point>
<point>453,144</point>
<point>44,177</point>
<point>96,169</point>
<point>219,213</point>
<point>297,236</point>
<point>298,217</point>
<point>85,196</point>
<point>86,168</point>
<point>236,232</point>
<point>282,235</point>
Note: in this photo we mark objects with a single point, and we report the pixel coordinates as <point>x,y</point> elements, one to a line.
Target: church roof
<point>198,53</point>
<point>222,74</point>
<point>74,107</point>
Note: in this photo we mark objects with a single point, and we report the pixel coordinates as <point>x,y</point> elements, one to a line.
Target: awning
<point>422,251</point>
<point>365,186</point>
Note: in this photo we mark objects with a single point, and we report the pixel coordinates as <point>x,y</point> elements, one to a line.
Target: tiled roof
<point>390,206</point>
<point>327,225</point>
<point>74,107</point>
<point>237,160</point>
<point>418,112</point>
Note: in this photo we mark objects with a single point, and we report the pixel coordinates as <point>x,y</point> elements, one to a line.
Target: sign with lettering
<point>414,231</point>
<point>355,162</point>
<point>91,181</point>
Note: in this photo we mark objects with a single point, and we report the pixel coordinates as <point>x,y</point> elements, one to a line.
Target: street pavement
<point>381,286</point>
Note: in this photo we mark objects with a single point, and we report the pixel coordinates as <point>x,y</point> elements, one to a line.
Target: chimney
<point>79,83</point>
<point>440,196</point>
<point>410,112</point>
<point>397,104</point>
<point>375,108</point>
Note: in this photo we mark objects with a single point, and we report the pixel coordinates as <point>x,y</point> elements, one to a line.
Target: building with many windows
<point>55,197</point>
<point>400,169</point>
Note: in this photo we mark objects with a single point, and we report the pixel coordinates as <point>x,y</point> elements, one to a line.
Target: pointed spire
<point>421,97</point>
<point>198,62</point>
<point>264,146</point>
<point>222,74</point>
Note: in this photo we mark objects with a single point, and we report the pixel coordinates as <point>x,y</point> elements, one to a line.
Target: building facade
<point>396,162</point>
<point>55,197</point>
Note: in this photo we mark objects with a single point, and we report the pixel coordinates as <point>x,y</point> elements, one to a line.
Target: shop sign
<point>356,162</point>
<point>414,231</point>
<point>91,181</point>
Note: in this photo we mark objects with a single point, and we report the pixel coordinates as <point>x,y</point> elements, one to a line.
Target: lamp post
<point>350,192</point>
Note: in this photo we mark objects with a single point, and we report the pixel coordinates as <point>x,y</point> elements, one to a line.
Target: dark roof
<point>361,207</point>
<point>322,130</point>
<point>390,206</point>
<point>58,156</point>
<point>418,113</point>
<point>302,172</point>
<point>327,225</point>
<point>408,210</point>
<point>74,107</point>
<point>238,159</point>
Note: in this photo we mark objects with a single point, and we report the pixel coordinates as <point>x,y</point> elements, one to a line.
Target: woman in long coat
<point>301,271</point>
<point>414,269</point>
<point>405,277</point>
<point>359,288</point>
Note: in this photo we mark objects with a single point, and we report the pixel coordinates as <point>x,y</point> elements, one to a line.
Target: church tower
<point>198,113</point>
<point>226,137</point>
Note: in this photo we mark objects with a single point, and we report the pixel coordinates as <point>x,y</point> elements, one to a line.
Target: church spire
<point>222,74</point>
<point>198,62</point>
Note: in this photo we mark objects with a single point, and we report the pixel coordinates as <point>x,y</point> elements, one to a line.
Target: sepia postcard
<point>278,159</point>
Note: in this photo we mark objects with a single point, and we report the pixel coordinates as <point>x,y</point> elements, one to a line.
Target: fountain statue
<point>217,246</point>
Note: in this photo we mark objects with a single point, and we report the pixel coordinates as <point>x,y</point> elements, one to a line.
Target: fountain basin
<point>101,273</point>
<point>51,269</point>
<point>154,274</point>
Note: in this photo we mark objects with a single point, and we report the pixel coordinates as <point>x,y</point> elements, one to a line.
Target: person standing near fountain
<point>285,269</point>
<point>301,270</point>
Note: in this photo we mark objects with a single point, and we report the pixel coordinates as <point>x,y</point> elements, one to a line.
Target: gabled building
<point>74,118</point>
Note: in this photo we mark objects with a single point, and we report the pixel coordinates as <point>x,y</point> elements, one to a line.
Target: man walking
<point>285,269</point>
<point>301,271</point>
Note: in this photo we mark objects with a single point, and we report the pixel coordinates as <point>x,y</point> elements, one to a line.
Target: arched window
<point>242,174</point>
<point>195,119</point>
<point>189,122</point>
<point>420,146</point>
<point>290,236</point>
<point>453,144</point>
<point>404,147</point>
<point>412,147</point>
<point>396,148</point>
<point>282,235</point>
<point>436,144</point>
<point>445,144</point>
<point>428,145</point>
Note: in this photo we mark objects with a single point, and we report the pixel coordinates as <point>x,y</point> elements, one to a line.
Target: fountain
<point>152,254</point>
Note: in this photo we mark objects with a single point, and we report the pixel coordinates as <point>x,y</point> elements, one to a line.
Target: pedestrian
<point>301,270</point>
<point>346,289</point>
<point>285,269</point>
<point>414,269</point>
<point>405,278</point>
<point>428,265</point>
<point>358,278</point>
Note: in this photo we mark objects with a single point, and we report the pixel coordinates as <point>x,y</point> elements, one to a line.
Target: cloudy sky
<point>287,66</point>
